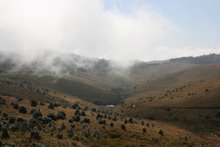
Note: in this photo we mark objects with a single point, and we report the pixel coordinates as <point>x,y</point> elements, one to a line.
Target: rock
<point>23,110</point>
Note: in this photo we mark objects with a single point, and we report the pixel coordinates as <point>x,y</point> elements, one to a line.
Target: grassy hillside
<point>187,97</point>
<point>96,127</point>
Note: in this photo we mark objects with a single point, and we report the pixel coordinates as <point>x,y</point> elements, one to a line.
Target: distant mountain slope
<point>205,59</point>
<point>189,97</point>
<point>103,81</point>
<point>194,74</point>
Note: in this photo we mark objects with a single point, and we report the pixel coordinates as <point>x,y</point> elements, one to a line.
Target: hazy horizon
<point>119,30</point>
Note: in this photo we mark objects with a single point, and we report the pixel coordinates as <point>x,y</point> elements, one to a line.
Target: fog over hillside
<point>30,28</point>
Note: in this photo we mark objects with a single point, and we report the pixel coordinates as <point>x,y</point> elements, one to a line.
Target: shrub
<point>123,127</point>
<point>99,116</point>
<point>52,116</point>
<point>86,120</point>
<point>2,101</point>
<point>96,134</point>
<point>70,121</point>
<point>147,124</point>
<point>35,134</point>
<point>217,114</point>
<point>5,134</point>
<point>36,115</point>
<point>51,106</point>
<point>111,124</point>
<point>61,115</point>
<point>125,121</point>
<point>144,130</point>
<point>76,118</point>
<point>101,121</point>
<point>114,118</point>
<point>15,106</point>
<point>76,106</point>
<point>161,132</point>
<point>22,109</point>
<point>131,120</point>
<point>93,109</point>
<point>33,103</point>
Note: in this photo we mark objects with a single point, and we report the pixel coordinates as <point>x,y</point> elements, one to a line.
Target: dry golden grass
<point>133,134</point>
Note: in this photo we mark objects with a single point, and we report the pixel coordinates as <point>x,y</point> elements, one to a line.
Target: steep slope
<point>187,97</point>
<point>55,123</point>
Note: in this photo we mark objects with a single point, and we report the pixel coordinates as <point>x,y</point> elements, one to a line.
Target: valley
<point>171,103</point>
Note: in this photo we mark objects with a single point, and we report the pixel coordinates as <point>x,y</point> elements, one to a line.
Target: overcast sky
<point>115,29</point>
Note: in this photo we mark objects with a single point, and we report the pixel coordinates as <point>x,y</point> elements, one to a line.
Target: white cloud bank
<point>31,27</point>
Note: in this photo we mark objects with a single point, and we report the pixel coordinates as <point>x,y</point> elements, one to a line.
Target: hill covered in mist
<point>100,81</point>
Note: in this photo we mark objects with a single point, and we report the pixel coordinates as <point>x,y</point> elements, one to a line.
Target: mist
<point>38,32</point>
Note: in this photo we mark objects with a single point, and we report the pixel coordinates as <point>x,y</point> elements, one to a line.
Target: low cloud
<point>29,28</point>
